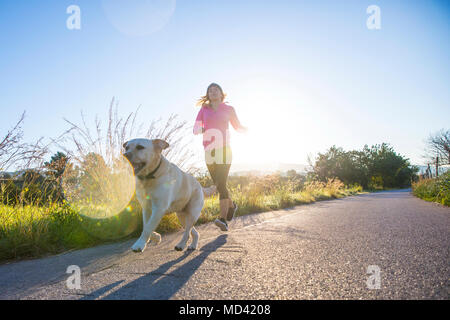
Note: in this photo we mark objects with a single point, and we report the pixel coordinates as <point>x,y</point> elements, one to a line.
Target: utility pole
<point>437,166</point>
<point>428,172</point>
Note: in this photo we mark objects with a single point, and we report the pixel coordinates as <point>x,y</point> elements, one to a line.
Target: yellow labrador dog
<point>162,188</point>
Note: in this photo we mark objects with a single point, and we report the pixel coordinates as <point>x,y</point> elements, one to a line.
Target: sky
<point>301,75</point>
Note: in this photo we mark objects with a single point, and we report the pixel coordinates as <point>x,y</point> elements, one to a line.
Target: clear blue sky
<point>302,75</point>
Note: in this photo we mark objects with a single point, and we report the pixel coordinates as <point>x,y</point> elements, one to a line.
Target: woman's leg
<point>224,204</point>
<point>227,158</point>
<point>219,174</point>
<point>222,175</point>
<point>212,168</point>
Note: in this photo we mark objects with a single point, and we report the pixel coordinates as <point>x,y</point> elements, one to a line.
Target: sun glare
<point>279,122</point>
<point>97,190</point>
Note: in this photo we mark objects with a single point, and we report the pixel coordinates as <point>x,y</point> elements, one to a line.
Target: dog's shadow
<point>158,284</point>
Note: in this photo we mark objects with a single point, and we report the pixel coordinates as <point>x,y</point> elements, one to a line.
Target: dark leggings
<point>219,175</point>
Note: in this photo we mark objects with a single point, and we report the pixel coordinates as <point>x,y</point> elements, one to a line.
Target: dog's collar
<point>151,174</point>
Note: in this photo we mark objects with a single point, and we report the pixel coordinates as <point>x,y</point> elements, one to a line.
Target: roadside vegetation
<point>434,184</point>
<point>377,167</point>
<point>434,189</point>
<point>58,203</point>
<point>28,230</point>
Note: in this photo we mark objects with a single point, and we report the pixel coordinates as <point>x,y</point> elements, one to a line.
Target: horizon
<point>269,168</point>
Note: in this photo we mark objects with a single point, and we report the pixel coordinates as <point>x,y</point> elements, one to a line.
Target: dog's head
<point>144,153</point>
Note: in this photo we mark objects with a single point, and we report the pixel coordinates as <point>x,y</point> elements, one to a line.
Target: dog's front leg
<point>148,227</point>
<point>154,237</point>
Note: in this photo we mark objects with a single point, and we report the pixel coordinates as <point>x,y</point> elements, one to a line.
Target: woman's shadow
<point>158,284</point>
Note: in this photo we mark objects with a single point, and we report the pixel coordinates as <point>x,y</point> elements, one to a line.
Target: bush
<point>434,189</point>
<point>378,167</point>
<point>30,189</point>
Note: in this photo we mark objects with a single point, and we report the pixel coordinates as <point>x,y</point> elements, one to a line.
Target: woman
<point>212,120</point>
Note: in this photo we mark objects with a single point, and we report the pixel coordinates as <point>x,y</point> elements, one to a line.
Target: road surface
<point>384,245</point>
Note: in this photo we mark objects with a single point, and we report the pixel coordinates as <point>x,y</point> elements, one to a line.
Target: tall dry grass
<point>31,223</point>
<point>271,192</point>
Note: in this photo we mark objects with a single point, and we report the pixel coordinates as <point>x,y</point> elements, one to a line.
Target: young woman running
<point>212,120</point>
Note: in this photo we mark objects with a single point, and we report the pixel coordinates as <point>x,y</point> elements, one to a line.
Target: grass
<point>31,231</point>
<point>434,189</point>
<point>252,200</point>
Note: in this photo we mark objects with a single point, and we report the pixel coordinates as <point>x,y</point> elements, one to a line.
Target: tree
<point>438,145</point>
<point>377,166</point>
<point>349,166</point>
<point>388,168</point>
<point>94,172</point>
<point>291,173</point>
<point>327,164</point>
<point>57,164</point>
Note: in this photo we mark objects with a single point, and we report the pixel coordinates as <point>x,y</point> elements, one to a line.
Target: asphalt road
<point>317,251</point>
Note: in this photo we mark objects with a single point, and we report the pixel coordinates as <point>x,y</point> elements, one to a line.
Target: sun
<point>272,124</point>
<point>285,122</point>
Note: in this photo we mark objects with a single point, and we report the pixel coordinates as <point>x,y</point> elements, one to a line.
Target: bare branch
<point>20,154</point>
<point>438,145</point>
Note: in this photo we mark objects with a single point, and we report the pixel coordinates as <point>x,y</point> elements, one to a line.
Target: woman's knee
<point>222,189</point>
<point>223,195</point>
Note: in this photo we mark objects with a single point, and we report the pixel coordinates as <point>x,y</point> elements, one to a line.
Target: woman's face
<point>214,94</point>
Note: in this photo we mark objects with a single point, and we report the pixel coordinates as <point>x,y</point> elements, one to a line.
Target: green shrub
<point>434,189</point>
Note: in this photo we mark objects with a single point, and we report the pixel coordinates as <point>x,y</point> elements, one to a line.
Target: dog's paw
<point>180,246</point>
<point>139,246</point>
<point>192,247</point>
<point>155,238</point>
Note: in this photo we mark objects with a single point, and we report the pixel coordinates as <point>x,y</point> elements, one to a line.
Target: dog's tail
<point>207,192</point>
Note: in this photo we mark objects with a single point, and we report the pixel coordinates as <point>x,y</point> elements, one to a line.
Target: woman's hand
<point>242,129</point>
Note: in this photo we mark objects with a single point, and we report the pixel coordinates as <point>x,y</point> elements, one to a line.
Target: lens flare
<point>139,17</point>
<point>101,194</point>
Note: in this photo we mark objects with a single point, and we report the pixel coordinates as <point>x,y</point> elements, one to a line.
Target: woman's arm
<point>236,123</point>
<point>198,126</point>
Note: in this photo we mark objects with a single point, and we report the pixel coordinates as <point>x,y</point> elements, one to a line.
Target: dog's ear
<point>125,145</point>
<point>160,144</point>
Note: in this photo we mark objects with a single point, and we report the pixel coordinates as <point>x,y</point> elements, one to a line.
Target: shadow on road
<point>35,273</point>
<point>101,291</point>
<point>158,284</point>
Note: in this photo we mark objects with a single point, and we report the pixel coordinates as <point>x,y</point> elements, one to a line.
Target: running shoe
<point>222,224</point>
<point>232,212</point>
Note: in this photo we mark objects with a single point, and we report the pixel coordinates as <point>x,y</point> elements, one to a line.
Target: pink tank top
<point>214,125</point>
